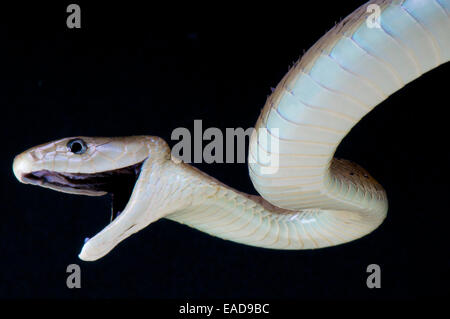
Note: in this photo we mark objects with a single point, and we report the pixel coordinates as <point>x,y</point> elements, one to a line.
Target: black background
<point>147,70</point>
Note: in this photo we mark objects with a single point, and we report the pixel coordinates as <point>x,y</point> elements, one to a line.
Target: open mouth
<point>119,183</point>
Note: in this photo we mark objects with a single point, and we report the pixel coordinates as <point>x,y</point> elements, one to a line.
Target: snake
<point>308,199</point>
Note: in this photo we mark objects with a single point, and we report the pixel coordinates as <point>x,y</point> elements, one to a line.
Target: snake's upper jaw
<point>62,182</point>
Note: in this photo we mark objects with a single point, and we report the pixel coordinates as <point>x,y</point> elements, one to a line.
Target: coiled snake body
<point>309,200</point>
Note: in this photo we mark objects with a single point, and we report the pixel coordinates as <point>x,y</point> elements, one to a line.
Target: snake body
<point>309,199</point>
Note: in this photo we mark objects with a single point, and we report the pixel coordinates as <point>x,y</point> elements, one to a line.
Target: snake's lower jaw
<point>129,215</point>
<point>130,221</point>
<point>95,248</point>
<point>90,253</point>
<point>104,241</point>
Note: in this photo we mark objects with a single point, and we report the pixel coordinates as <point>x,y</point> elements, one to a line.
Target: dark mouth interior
<point>119,183</point>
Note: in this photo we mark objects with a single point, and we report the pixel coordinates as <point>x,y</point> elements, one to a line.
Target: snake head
<point>80,165</point>
<point>94,167</point>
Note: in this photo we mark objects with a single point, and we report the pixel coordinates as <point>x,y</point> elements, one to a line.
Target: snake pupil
<point>77,146</point>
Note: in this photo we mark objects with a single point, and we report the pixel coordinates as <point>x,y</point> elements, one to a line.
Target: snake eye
<point>77,146</point>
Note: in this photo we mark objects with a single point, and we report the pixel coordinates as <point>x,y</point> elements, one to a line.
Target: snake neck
<point>223,212</point>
